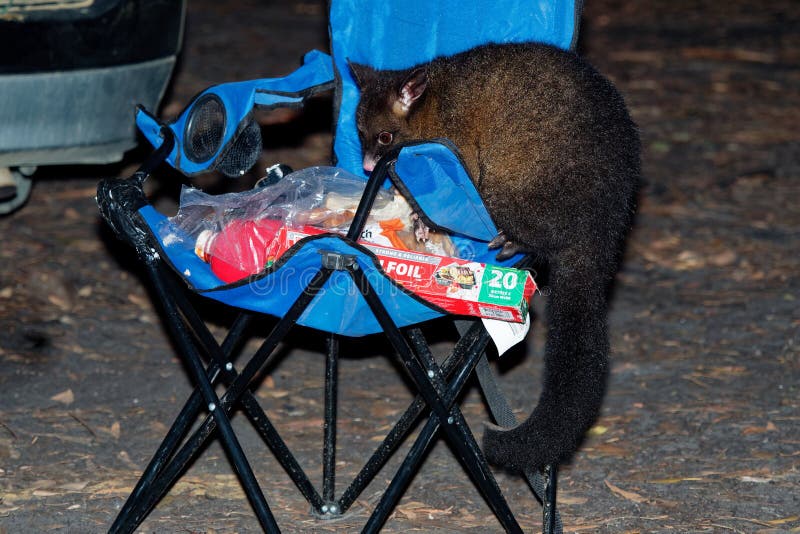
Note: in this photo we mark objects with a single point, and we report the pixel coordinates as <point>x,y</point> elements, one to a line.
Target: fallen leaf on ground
<point>783,520</point>
<point>65,397</point>
<point>756,480</point>
<point>74,486</point>
<point>723,259</point>
<point>629,495</point>
<point>597,430</point>
<point>750,430</point>
<point>272,393</point>
<point>569,500</point>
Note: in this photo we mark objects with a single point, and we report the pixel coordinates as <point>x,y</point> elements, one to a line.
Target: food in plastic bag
<point>241,233</point>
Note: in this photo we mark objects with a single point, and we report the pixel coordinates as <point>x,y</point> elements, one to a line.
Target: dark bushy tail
<point>576,366</point>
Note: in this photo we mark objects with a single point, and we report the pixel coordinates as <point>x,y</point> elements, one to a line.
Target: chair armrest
<point>222,114</point>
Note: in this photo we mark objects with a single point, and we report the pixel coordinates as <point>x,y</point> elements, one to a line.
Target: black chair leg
<point>252,409</point>
<point>329,438</point>
<point>429,383</point>
<point>165,477</point>
<point>176,433</point>
<point>549,504</point>
<point>504,416</point>
<point>411,462</point>
<point>187,347</point>
<point>180,427</point>
<point>455,361</point>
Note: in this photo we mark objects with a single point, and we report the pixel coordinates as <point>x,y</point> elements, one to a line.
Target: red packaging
<point>458,286</point>
<point>241,249</point>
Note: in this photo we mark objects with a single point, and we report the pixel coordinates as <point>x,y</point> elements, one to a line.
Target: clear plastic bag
<point>241,233</point>
<point>298,198</point>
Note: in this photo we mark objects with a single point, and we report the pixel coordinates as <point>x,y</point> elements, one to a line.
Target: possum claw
<point>507,248</point>
<point>498,241</point>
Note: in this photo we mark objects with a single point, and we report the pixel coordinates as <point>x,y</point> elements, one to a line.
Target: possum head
<point>388,100</point>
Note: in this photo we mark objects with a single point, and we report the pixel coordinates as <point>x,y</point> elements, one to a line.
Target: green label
<point>502,286</point>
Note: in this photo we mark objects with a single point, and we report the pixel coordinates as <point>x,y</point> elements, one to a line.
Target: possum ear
<point>410,90</point>
<point>361,73</point>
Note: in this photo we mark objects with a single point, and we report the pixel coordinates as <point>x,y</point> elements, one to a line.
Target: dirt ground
<point>700,430</point>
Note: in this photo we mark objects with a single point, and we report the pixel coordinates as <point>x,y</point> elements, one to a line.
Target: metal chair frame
<point>438,386</point>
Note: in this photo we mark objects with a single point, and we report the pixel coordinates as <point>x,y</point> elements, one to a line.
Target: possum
<point>554,154</point>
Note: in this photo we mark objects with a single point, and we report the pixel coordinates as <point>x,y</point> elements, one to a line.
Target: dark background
<point>700,431</point>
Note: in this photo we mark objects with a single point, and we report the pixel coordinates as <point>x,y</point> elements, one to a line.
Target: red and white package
<point>458,286</point>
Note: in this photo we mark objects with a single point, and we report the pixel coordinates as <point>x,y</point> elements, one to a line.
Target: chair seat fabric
<point>339,308</point>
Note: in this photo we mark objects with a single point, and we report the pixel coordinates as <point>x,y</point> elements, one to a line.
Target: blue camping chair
<point>217,131</point>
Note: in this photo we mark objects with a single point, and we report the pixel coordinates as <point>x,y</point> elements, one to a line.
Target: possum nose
<point>369,163</point>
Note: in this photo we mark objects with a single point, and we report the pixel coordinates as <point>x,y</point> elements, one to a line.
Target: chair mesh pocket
<point>243,152</point>
<point>205,129</point>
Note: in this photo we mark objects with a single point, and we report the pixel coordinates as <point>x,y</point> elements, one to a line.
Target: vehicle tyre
<point>15,188</point>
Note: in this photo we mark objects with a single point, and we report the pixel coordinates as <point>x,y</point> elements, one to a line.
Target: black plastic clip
<point>336,261</point>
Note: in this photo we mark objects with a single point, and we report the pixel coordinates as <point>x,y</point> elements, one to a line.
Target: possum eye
<point>385,138</point>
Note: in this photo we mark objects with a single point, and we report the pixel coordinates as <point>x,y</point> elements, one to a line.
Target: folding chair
<point>218,131</point>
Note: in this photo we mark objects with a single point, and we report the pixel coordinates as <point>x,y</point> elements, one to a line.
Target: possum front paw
<point>507,248</point>
<point>421,230</point>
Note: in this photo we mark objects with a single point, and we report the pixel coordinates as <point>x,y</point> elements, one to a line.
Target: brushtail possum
<point>553,152</point>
